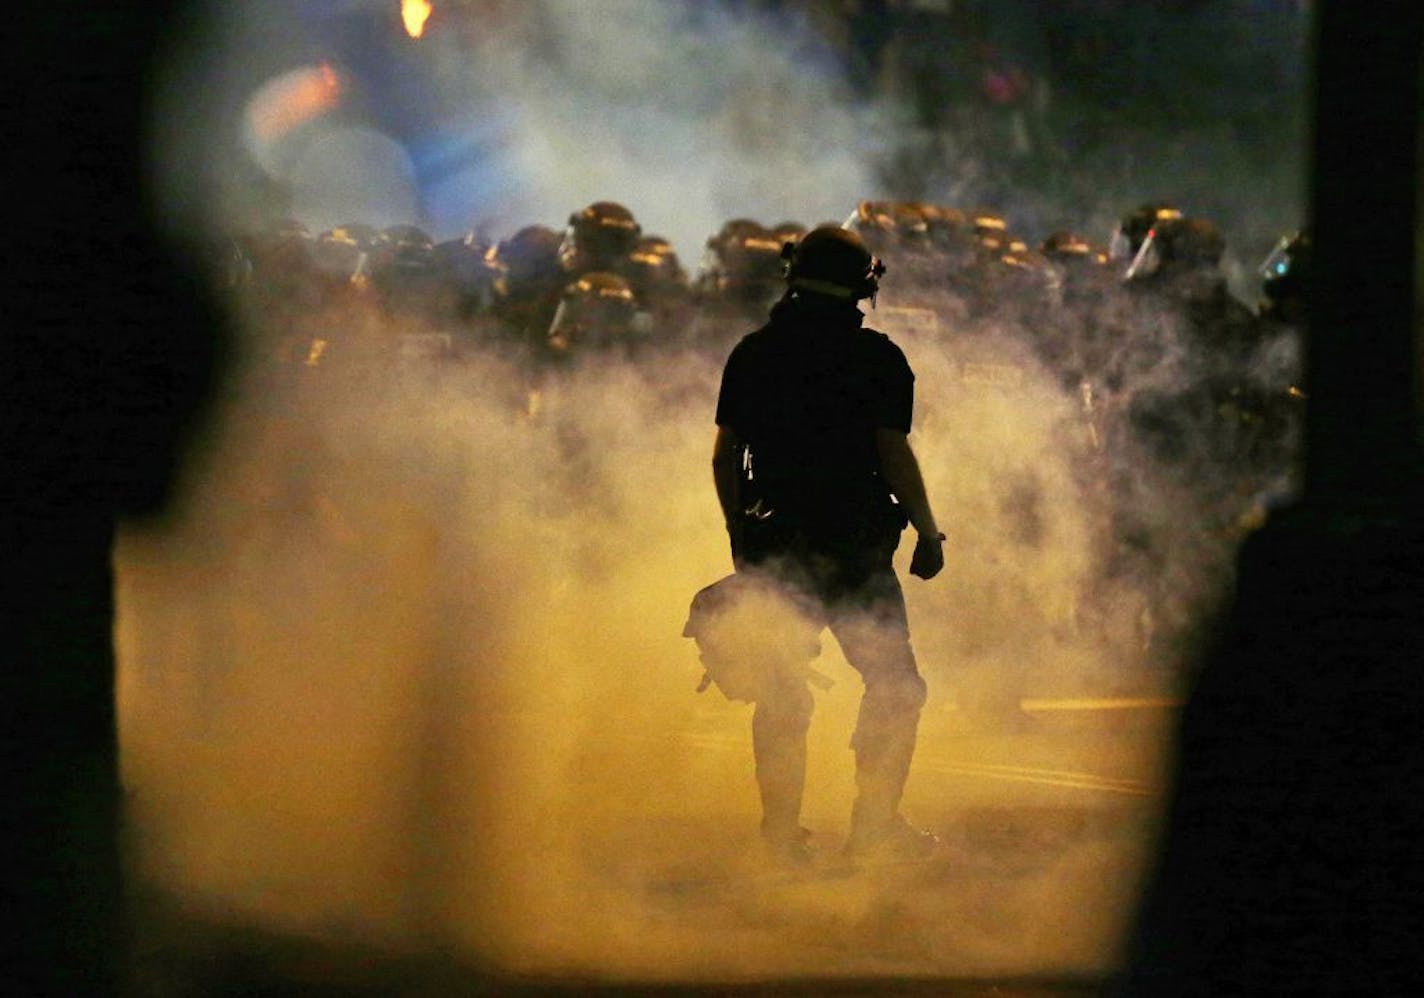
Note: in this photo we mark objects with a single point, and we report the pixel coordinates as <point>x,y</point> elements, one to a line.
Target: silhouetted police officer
<point>816,480</point>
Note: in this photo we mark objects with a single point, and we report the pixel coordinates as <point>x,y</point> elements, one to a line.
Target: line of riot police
<point>1189,402</point>
<point>1149,308</point>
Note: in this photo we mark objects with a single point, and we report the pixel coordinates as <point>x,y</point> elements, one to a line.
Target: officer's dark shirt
<point>806,393</point>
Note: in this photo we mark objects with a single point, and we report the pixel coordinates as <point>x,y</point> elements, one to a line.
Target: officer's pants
<point>869,623</point>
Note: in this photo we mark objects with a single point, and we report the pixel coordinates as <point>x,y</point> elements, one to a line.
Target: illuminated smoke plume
<point>529,111</point>
<point>406,667</point>
<point>408,670</point>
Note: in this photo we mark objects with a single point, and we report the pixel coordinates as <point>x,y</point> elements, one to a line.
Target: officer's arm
<point>727,470</point>
<point>902,473</point>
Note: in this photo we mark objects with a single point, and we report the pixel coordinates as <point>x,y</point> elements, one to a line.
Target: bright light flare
<point>415,13</point>
<point>292,100</point>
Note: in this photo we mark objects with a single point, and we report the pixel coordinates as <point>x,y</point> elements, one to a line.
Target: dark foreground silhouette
<point>109,350</point>
<point>1285,863</point>
<point>1289,863</point>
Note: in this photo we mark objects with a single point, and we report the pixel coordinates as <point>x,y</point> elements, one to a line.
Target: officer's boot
<point>884,744</point>
<point>779,725</point>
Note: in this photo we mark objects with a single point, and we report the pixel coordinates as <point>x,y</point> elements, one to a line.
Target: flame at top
<point>415,13</point>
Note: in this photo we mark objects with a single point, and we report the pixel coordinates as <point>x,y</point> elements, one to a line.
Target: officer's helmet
<point>1180,244</point>
<point>654,263</point>
<point>890,225</point>
<point>833,261</point>
<point>1066,246</point>
<point>1132,229</point>
<point>600,233</point>
<point>530,255</point>
<point>742,256</point>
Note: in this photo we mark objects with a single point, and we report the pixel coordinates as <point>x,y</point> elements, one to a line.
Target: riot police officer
<point>528,286</point>
<point>662,289</point>
<point>819,408</point>
<point>740,278</point>
<point>597,312</point>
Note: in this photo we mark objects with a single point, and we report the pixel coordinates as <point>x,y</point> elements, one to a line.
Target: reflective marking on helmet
<point>770,245</point>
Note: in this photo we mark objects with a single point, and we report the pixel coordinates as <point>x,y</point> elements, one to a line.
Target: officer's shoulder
<point>747,347</point>
<point>882,343</point>
<point>755,339</point>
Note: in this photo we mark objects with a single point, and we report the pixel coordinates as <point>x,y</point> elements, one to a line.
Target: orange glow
<point>292,100</point>
<point>415,13</point>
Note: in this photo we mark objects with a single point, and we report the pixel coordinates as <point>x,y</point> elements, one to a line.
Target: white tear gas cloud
<point>691,114</point>
<point>514,114</point>
<point>407,665</point>
<point>407,668</point>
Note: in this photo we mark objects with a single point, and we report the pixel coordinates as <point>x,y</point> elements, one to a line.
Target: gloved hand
<point>928,558</point>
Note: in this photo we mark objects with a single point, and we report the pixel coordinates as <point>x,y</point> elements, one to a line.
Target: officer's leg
<point>757,640</point>
<point>874,634</point>
<point>780,720</point>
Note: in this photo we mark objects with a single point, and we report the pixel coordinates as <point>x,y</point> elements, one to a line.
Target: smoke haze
<point>409,670</point>
<point>406,667</point>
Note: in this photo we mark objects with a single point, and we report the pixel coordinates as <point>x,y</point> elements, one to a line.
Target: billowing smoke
<point>407,666</point>
<point>408,670</point>
<point>512,113</point>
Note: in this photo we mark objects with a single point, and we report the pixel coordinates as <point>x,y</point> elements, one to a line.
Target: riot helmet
<point>743,258</point>
<point>530,255</point>
<point>833,261</point>
<point>1132,229</point>
<point>1177,243</point>
<point>1079,266</point>
<point>598,236</point>
<point>654,265</point>
<point>951,234</point>
<point>466,264</point>
<point>1065,246</point>
<point>890,225</point>
<point>991,233</point>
